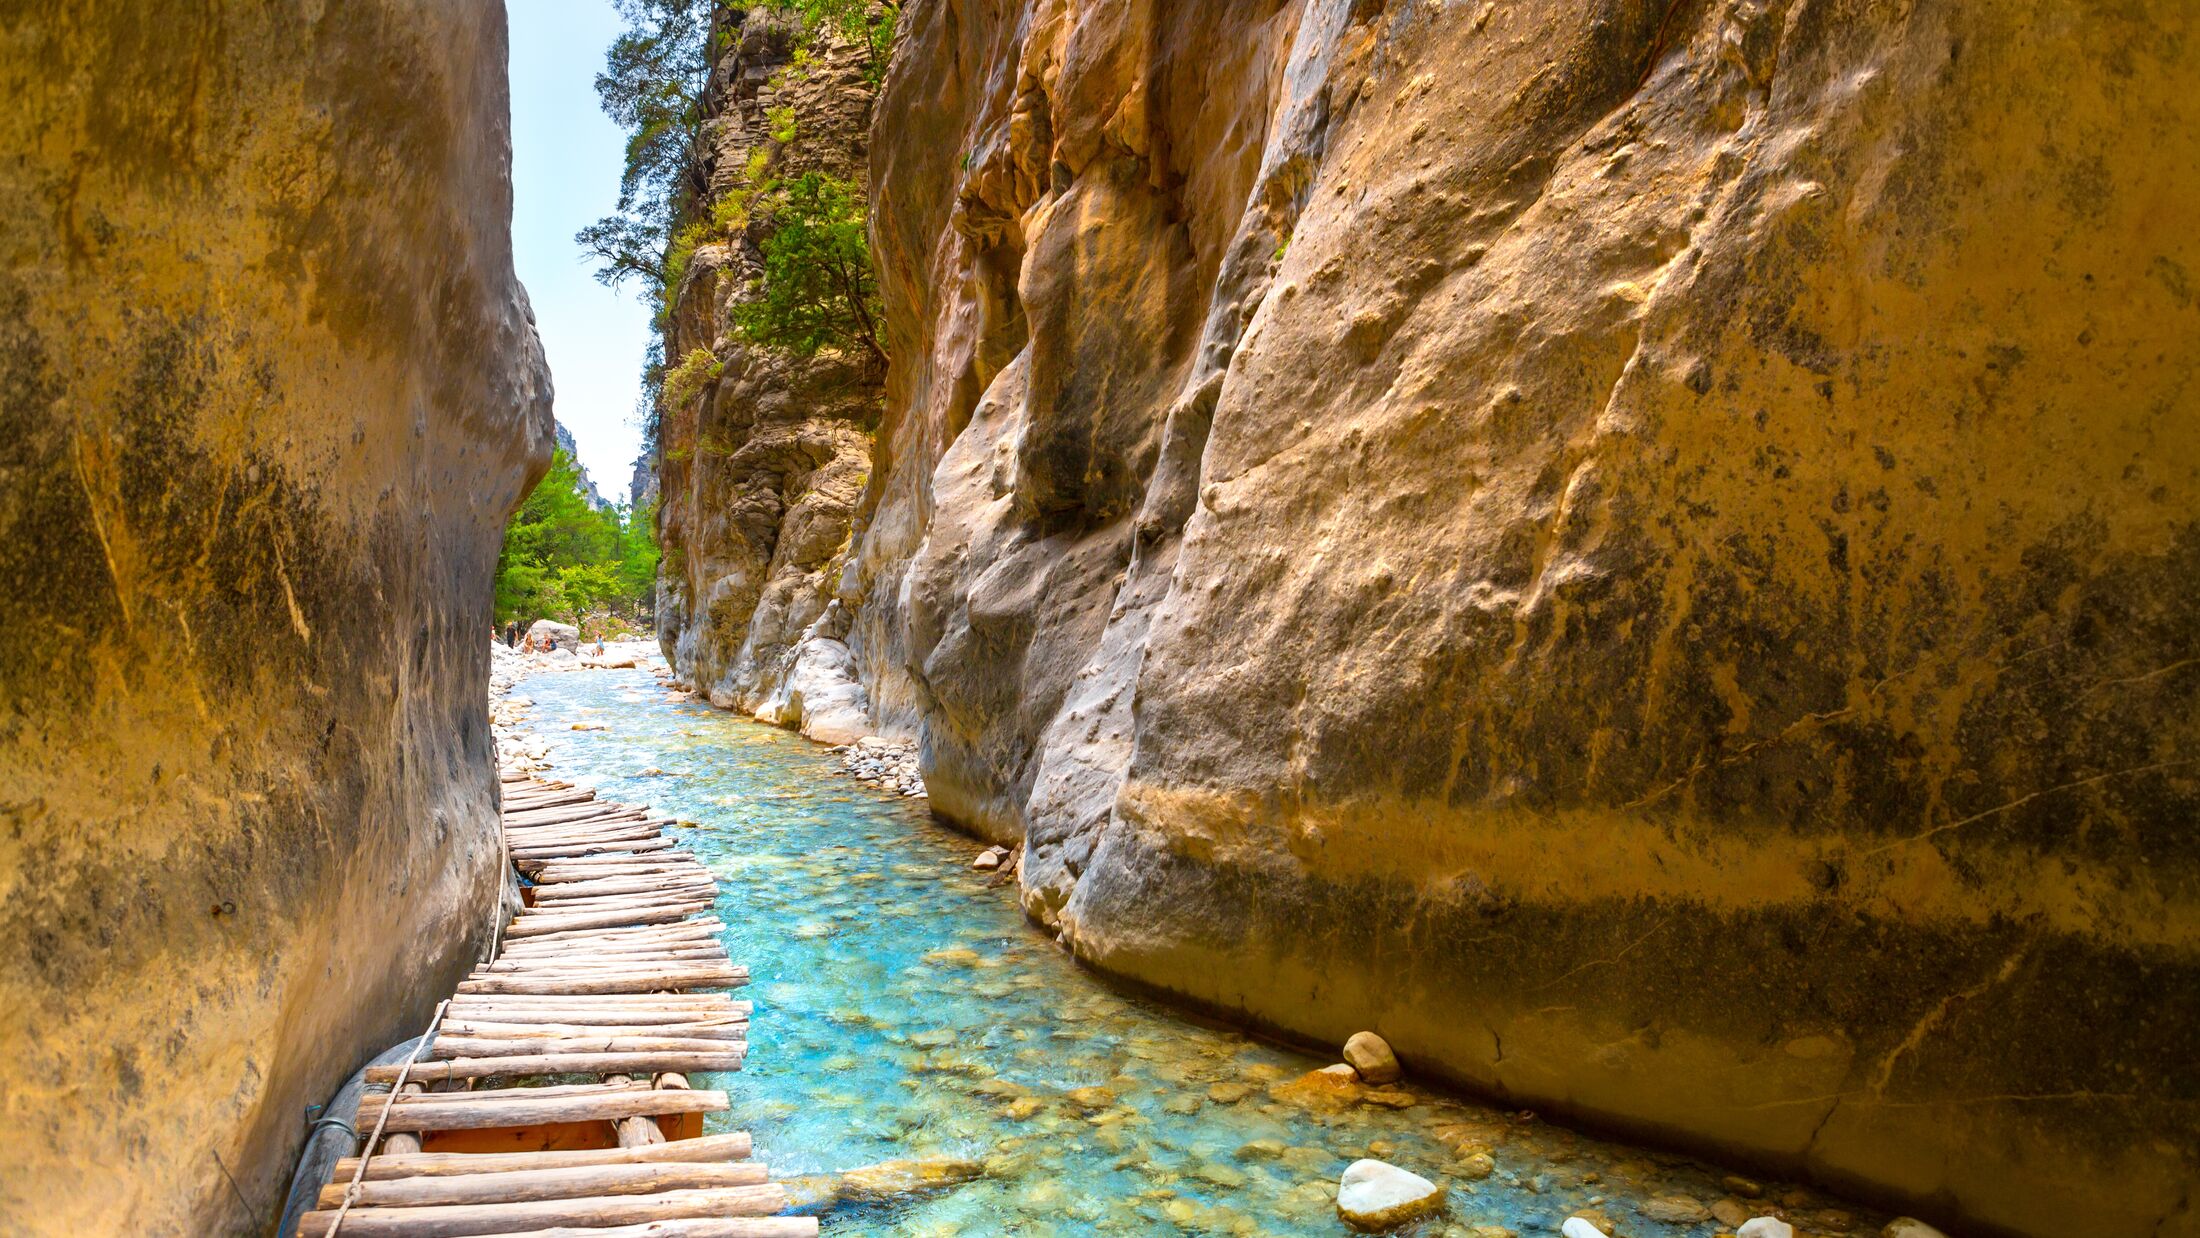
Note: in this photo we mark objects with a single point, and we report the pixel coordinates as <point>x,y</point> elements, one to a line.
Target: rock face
<point>1647,550</point>
<point>268,389</point>
<point>762,469</point>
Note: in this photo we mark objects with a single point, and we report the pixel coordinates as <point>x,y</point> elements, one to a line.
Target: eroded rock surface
<point>762,469</point>
<point>268,388</point>
<point>1645,550</point>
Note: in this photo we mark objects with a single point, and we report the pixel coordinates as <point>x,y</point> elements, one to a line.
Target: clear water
<point>905,1009</point>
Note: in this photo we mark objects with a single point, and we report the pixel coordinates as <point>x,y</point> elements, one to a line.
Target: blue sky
<point>566,157</point>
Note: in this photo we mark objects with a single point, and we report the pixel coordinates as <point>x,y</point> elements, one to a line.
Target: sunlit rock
<point>1370,1055</point>
<point>1374,1195</point>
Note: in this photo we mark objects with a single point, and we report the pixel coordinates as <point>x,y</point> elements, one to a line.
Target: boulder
<point>1374,1195</point>
<point>544,631</point>
<point>1575,1227</point>
<point>1769,1227</point>
<point>1370,1055</point>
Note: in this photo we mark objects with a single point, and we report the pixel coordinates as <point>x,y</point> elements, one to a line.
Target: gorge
<point>1478,520</point>
<point>1644,551</point>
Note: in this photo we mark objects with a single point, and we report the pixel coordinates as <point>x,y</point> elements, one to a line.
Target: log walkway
<point>606,973</point>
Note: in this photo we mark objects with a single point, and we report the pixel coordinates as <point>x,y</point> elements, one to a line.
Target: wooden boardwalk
<point>606,974</point>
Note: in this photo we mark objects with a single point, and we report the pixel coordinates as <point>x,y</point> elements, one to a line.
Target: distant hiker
<point>511,634</point>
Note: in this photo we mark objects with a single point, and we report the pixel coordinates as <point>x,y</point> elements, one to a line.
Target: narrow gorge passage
<point>1627,567</point>
<point>916,1016</point>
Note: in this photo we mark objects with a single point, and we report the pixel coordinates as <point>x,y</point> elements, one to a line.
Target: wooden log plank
<point>446,1048</point>
<point>462,1220</point>
<point>473,1029</point>
<point>732,1146</point>
<point>613,902</point>
<point>597,811</point>
<point>632,966</point>
<point>453,1111</point>
<point>608,965</point>
<point>705,926</point>
<point>528,840</point>
<point>523,854</point>
<point>563,873</point>
<point>696,1227</point>
<point>613,823</point>
<point>522,1185</point>
<point>595,985</point>
<point>600,1001</point>
<point>678,973</point>
<point>602,1018</point>
<point>701,954</point>
<point>574,1064</point>
<point>552,799</point>
<point>623,885</point>
<point>560,896</point>
<point>536,926</point>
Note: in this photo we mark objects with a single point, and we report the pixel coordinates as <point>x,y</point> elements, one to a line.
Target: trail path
<point>612,971</point>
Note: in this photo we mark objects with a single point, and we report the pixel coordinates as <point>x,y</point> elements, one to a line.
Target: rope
<point>397,1089</point>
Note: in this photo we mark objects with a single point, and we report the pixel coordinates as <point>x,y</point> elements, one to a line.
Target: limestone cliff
<point>1644,550</point>
<point>763,456</point>
<point>268,387</point>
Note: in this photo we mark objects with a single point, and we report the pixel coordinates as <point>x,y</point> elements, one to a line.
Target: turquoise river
<point>906,1009</point>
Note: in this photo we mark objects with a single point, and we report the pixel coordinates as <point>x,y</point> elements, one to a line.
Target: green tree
<point>564,559</point>
<point>818,289</point>
<point>652,87</point>
<point>869,22</point>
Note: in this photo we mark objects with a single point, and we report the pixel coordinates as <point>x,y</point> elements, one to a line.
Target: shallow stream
<point>905,1009</point>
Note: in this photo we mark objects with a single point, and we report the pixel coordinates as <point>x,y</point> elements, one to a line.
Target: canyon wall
<point>1644,550</point>
<point>762,458</point>
<point>268,388</point>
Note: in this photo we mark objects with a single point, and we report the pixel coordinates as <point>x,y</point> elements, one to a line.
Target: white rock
<point>1910,1227</point>
<point>1575,1227</point>
<point>1765,1227</point>
<point>1373,1195</point>
<point>987,861</point>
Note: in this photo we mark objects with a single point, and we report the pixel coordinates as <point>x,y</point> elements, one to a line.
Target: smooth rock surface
<point>1370,1055</point>
<point>1479,520</point>
<point>762,468</point>
<point>268,389</point>
<point>1773,1227</point>
<point>1374,1195</point>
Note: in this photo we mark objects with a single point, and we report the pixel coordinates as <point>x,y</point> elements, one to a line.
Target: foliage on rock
<point>818,290</point>
<point>563,558</point>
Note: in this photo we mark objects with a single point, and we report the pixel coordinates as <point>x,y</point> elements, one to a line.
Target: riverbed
<point>906,1009</point>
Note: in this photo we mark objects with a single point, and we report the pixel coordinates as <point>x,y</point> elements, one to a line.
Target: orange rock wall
<point>1644,551</point>
<point>268,389</point>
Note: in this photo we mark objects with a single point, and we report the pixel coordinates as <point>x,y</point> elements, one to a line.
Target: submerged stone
<point>1375,1195</point>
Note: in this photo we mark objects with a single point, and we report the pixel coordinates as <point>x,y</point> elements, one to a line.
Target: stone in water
<point>1765,1227</point>
<point>1376,1196</point>
<point>1371,1056</point>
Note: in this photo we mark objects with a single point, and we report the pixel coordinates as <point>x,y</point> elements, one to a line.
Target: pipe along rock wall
<point>1644,550</point>
<point>268,389</point>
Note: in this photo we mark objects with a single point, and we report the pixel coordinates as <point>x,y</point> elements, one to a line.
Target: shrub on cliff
<point>563,558</point>
<point>818,290</point>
